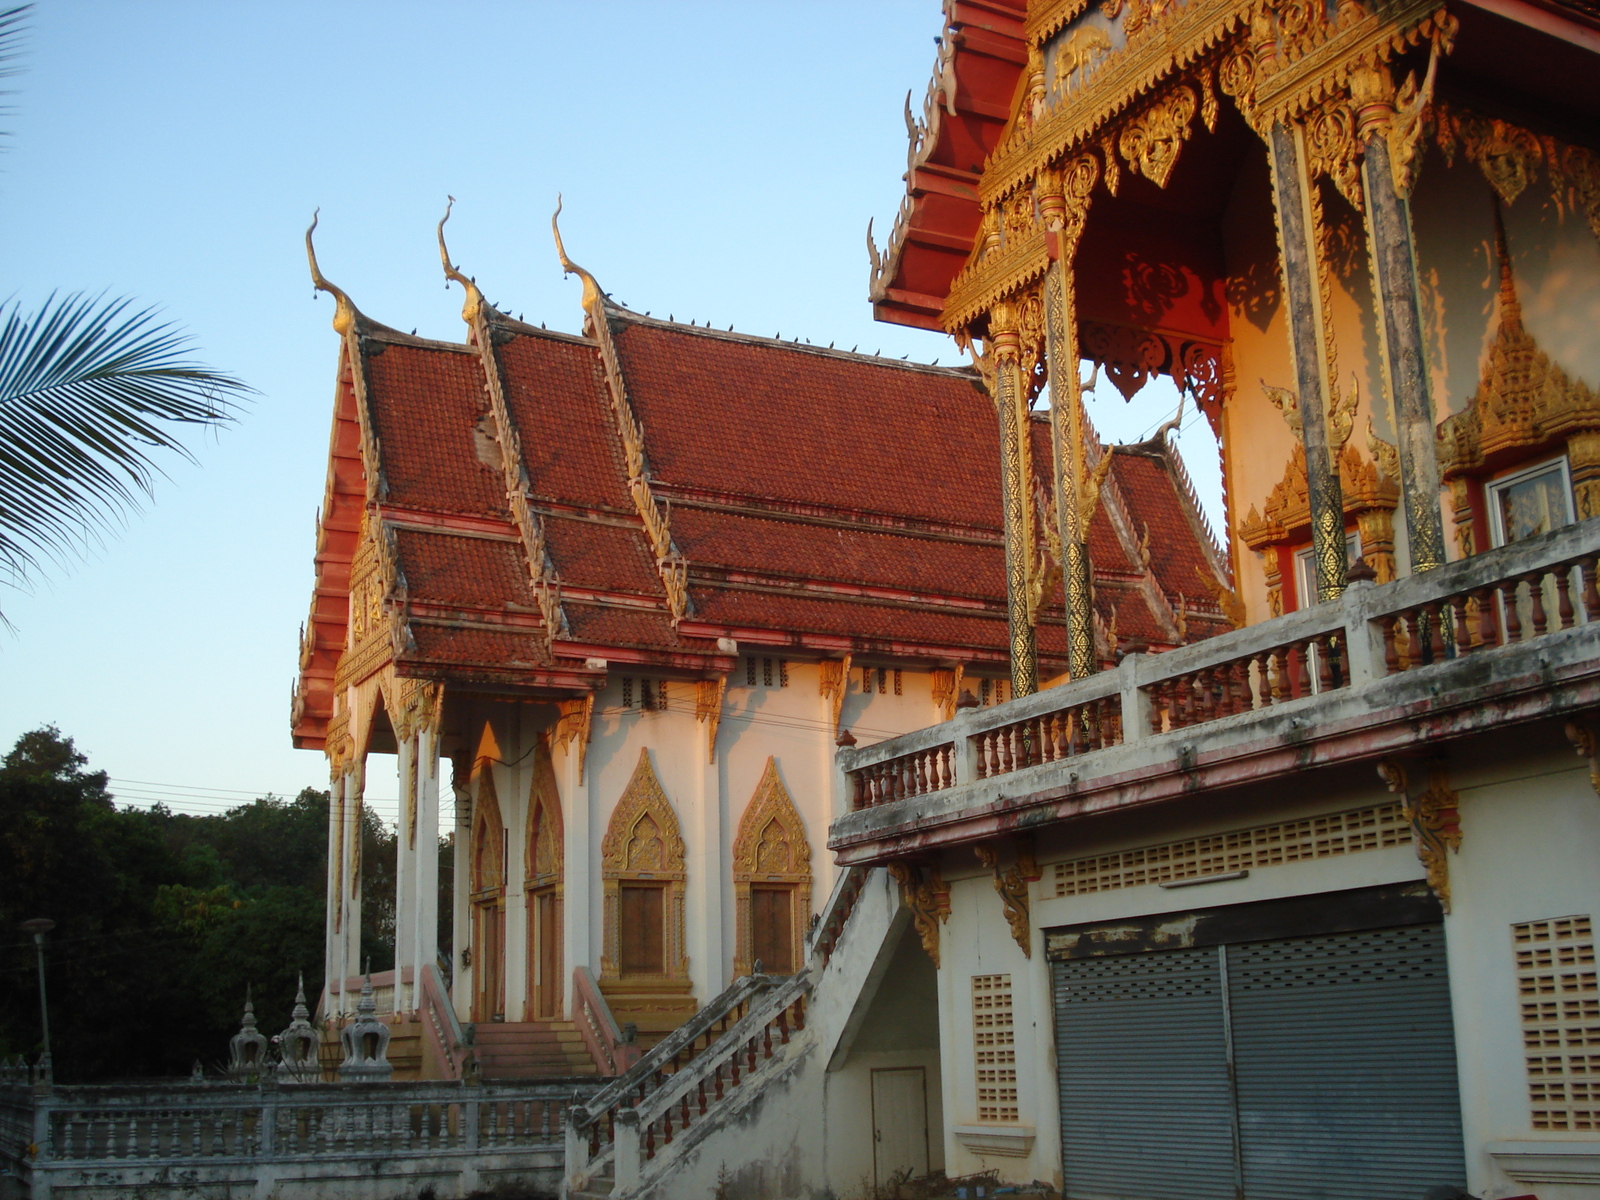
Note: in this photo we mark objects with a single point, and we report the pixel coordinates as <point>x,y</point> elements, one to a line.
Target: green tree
<point>92,389</point>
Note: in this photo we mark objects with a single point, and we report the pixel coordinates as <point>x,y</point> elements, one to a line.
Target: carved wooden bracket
<point>1012,887</point>
<point>928,900</point>
<point>1130,356</point>
<point>1435,817</point>
<point>1584,734</point>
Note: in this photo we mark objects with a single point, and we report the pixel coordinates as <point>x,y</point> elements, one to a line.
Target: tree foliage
<point>162,919</point>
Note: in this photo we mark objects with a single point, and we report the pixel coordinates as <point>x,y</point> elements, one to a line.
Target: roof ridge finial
<point>593,297</point>
<point>474,304</point>
<point>346,314</point>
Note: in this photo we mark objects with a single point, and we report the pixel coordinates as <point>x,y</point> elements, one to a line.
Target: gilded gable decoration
<point>643,845</point>
<point>770,849</point>
<point>1523,400</point>
<point>1150,143</point>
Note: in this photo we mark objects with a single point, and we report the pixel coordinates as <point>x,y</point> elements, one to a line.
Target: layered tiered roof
<point>674,496</point>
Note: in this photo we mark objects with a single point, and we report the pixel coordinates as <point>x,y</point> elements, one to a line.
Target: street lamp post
<point>38,927</point>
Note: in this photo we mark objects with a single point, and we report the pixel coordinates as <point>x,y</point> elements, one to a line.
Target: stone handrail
<point>592,1015</point>
<point>824,935</point>
<point>669,1053</point>
<point>442,1028</point>
<point>1499,598</point>
<point>115,1125</point>
<point>775,1012</point>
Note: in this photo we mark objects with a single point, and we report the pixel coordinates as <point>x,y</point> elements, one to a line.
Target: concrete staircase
<point>532,1050</point>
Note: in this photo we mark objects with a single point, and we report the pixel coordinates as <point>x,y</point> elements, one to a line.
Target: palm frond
<point>90,390</point>
<point>13,27</point>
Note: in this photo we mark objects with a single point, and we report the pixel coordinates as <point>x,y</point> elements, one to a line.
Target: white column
<point>405,875</point>
<point>355,792</point>
<point>461,911</point>
<point>577,864</point>
<point>333,932</point>
<point>707,963</point>
<point>427,876</point>
<point>514,811</point>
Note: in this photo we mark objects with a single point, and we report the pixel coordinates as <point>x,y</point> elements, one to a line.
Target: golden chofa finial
<point>592,294</point>
<point>345,314</point>
<point>472,307</point>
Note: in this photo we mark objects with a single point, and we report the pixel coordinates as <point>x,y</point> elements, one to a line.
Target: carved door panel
<point>547,955</point>
<point>772,928</point>
<point>488,961</point>
<point>640,926</point>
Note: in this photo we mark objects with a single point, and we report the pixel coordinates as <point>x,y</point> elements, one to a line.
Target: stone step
<point>531,1049</point>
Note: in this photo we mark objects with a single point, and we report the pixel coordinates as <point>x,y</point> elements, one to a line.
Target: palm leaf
<point>90,391</point>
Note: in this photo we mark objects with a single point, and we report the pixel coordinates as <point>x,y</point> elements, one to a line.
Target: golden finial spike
<point>592,295</point>
<point>345,314</point>
<point>474,304</point>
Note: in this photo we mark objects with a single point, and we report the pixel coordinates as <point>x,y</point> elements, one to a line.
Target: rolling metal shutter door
<point>1345,1066</point>
<point>1142,1063</point>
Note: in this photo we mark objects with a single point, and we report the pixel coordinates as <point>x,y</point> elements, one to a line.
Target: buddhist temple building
<point>868,773</point>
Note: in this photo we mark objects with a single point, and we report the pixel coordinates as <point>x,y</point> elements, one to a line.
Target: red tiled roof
<point>426,404</point>
<point>770,419</point>
<point>821,500</point>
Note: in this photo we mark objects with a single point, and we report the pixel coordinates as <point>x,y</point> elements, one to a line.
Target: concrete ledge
<point>1549,1162</point>
<point>1005,1141</point>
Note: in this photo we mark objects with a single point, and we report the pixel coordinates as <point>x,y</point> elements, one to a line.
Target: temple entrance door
<point>489,957</point>
<point>641,928</point>
<point>547,955</point>
<point>772,928</point>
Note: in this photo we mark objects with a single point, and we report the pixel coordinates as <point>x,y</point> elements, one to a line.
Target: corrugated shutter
<point>1140,1048</point>
<point>1345,1066</point>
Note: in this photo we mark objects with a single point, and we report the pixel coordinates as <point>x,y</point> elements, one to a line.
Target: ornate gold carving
<point>643,844</point>
<point>671,565</point>
<point>1523,399</point>
<point>928,899</point>
<point>1228,601</point>
<point>1012,887</point>
<point>708,695</point>
<point>833,681</point>
<point>770,849</point>
<point>1584,734</point>
<point>1435,818</point>
<point>416,706</point>
<point>346,316</point>
<point>545,852</point>
<point>1288,404</point>
<point>1510,157</point>
<point>1151,141</point>
<point>947,689</point>
<point>573,725</point>
<point>1370,495</point>
<point>1081,51</point>
<point>1331,147</point>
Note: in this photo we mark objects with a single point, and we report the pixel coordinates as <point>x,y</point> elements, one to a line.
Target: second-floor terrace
<point>1506,637</point>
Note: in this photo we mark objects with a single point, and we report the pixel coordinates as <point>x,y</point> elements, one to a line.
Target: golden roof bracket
<point>593,297</point>
<point>346,315</point>
<point>474,305</point>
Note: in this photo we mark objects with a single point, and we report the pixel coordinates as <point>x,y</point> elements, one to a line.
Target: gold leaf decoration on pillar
<point>573,725</point>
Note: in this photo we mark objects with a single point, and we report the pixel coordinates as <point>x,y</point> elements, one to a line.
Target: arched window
<point>642,875</point>
<point>771,880</point>
<point>543,876</point>
<point>488,903</point>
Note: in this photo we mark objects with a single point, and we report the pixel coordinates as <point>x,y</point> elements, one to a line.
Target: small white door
<point>899,1124</point>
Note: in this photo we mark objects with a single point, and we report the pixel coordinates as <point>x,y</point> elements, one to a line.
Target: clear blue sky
<point>719,161</point>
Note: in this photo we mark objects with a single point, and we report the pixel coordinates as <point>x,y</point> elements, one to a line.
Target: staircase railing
<point>835,914</point>
<point>629,1120</point>
<point>452,1044</point>
<point>612,1053</point>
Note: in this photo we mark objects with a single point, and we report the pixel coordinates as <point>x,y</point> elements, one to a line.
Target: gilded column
<point>1063,203</point>
<point>1297,251</point>
<point>1010,399</point>
<point>1385,168</point>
